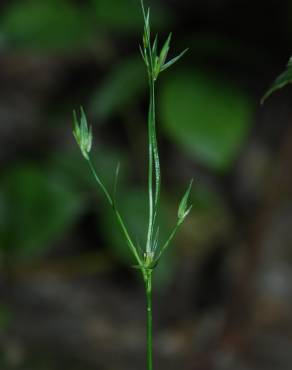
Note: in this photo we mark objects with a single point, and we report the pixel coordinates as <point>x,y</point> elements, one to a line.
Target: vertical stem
<point>150,171</point>
<point>153,159</point>
<point>148,282</point>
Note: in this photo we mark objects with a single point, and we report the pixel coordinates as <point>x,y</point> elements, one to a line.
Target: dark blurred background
<point>69,298</point>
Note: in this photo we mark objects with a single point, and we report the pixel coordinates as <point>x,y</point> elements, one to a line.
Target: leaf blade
<point>173,60</point>
<point>184,209</point>
<point>281,81</point>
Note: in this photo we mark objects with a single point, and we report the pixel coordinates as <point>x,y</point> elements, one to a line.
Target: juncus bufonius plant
<point>147,258</point>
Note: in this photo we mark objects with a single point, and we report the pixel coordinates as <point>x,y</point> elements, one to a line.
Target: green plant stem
<point>155,154</point>
<point>153,159</point>
<point>150,174</point>
<point>148,287</point>
<point>117,214</point>
<point>169,239</point>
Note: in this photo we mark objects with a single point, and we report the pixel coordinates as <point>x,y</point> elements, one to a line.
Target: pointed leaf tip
<point>164,51</point>
<point>281,81</point>
<point>184,209</point>
<point>82,133</point>
<point>116,182</point>
<point>173,60</point>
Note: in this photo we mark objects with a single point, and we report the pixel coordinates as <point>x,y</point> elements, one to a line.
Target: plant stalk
<point>153,166</point>
<point>148,287</point>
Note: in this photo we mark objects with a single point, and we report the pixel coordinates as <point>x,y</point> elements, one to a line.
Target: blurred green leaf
<point>120,16</point>
<point>5,316</point>
<point>206,116</point>
<point>105,161</point>
<point>47,24</point>
<point>38,207</point>
<point>209,222</point>
<point>284,79</point>
<point>71,166</point>
<point>122,86</point>
<point>218,47</point>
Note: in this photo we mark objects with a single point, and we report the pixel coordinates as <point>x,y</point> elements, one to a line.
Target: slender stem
<point>117,213</point>
<point>155,154</point>
<point>100,183</point>
<point>153,158</point>
<point>150,170</point>
<point>169,239</point>
<point>148,285</point>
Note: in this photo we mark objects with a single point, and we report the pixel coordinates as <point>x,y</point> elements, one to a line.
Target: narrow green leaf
<point>117,214</point>
<point>144,55</point>
<point>146,36</point>
<point>164,51</point>
<point>184,209</point>
<point>174,60</point>
<point>143,10</point>
<point>281,81</point>
<point>154,47</point>
<point>155,241</point>
<point>116,183</point>
<point>167,243</point>
<point>76,130</point>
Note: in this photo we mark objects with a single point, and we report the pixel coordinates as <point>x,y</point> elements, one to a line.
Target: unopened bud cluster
<point>83,134</point>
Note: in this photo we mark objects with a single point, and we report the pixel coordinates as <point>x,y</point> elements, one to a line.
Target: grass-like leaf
<point>184,208</point>
<point>281,81</point>
<point>148,258</point>
<point>116,184</point>
<point>173,60</point>
<point>164,51</point>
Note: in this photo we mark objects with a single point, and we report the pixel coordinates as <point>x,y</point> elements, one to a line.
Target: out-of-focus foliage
<point>117,16</point>
<point>211,219</point>
<point>37,208</point>
<point>121,87</point>
<point>45,25</point>
<point>5,316</point>
<point>69,165</point>
<point>66,25</point>
<point>206,116</point>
